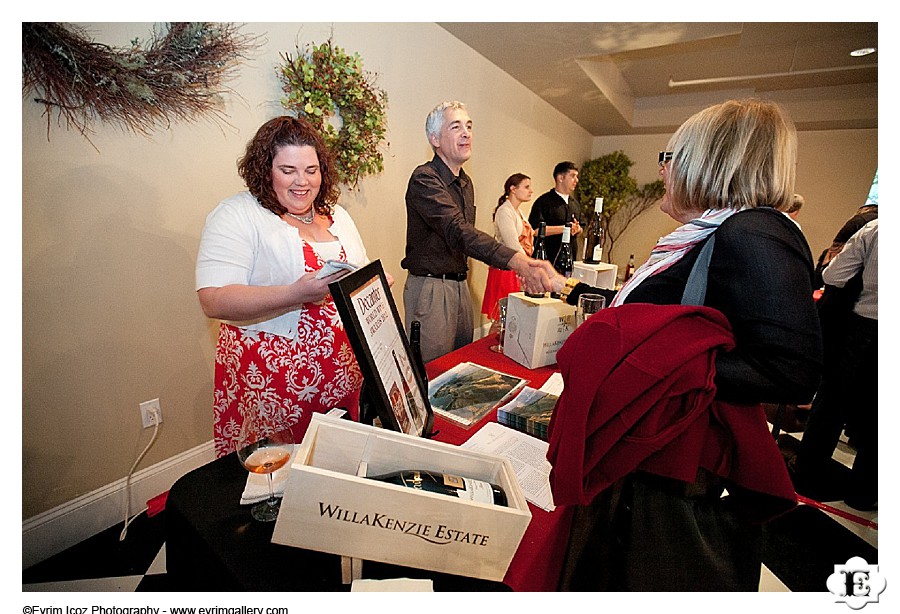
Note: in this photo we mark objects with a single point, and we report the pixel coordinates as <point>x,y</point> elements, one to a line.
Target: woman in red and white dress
<point>282,348</point>
<point>512,230</point>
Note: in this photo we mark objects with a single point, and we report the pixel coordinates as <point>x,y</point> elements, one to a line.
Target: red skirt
<point>499,285</point>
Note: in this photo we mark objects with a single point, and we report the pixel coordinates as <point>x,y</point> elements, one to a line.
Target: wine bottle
<point>415,345</point>
<point>593,246</point>
<point>367,412</point>
<point>540,249</point>
<point>540,253</point>
<point>564,262</point>
<point>629,270</point>
<point>446,484</point>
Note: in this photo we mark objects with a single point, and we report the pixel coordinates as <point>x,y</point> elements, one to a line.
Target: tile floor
<point>104,564</point>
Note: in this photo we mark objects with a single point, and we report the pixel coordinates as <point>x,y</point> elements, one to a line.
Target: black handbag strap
<point>695,289</point>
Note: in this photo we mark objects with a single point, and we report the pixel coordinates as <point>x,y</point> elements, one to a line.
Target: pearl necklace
<point>306,218</point>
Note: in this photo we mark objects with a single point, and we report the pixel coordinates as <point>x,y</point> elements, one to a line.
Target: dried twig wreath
<point>329,88</point>
<point>179,75</point>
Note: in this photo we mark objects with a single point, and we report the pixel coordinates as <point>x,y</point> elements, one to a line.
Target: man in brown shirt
<point>441,236</point>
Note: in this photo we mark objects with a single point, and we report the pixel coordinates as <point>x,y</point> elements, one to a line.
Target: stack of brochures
<point>529,412</point>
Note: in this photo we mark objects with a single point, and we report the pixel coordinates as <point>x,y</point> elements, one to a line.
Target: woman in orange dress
<point>512,230</point>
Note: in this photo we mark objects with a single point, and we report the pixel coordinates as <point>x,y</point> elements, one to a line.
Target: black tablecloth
<point>213,544</point>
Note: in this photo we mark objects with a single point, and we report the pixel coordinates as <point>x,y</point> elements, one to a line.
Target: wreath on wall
<point>178,75</point>
<point>329,88</point>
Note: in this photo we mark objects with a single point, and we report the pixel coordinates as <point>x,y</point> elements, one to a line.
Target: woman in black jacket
<point>728,171</point>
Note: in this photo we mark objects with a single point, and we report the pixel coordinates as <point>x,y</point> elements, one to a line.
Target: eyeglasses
<point>664,156</point>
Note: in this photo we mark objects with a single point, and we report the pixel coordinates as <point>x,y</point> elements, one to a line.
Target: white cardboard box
<point>600,275</point>
<point>536,328</point>
<point>327,508</point>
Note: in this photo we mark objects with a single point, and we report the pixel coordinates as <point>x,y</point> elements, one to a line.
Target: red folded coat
<point>639,395</point>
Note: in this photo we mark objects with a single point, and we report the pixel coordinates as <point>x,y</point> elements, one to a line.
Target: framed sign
<point>366,306</point>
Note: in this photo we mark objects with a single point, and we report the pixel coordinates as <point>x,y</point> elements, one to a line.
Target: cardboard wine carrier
<point>328,507</point>
<point>536,328</point>
<point>600,275</point>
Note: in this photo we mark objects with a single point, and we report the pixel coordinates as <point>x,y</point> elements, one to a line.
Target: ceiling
<point>647,78</point>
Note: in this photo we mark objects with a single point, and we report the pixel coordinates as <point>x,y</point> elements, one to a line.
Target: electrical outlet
<point>147,410</point>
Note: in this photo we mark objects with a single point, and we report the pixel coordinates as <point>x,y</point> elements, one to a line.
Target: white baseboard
<point>55,530</point>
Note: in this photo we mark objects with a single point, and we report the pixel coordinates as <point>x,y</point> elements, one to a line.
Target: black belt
<point>448,276</point>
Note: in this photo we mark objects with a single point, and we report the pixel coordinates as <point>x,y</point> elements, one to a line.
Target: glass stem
<point>271,491</point>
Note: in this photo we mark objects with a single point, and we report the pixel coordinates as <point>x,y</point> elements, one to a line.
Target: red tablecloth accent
<point>537,563</point>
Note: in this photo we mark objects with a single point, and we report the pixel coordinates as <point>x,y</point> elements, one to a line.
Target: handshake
<point>536,275</point>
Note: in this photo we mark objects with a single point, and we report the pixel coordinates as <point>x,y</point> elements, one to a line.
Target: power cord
<point>155,416</point>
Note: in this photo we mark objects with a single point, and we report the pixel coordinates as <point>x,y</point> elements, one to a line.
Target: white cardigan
<point>245,243</point>
<point>508,225</point>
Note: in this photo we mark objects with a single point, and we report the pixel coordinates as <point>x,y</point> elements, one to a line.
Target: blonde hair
<point>741,153</point>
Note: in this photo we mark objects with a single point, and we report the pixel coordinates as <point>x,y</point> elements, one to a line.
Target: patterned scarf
<point>672,247</point>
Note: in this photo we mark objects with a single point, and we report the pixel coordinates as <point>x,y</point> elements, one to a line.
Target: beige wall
<point>834,171</point>
<point>110,316</point>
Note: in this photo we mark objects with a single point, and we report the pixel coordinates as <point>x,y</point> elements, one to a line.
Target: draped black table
<point>212,544</point>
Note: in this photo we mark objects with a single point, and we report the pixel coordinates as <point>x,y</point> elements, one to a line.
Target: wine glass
<point>500,324</point>
<point>588,305</point>
<point>264,447</point>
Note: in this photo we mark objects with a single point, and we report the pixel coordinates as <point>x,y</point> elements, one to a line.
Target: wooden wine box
<point>328,507</point>
<point>536,328</point>
<point>600,275</point>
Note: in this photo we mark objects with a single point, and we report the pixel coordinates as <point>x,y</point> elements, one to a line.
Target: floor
<point>800,551</point>
<point>103,563</point>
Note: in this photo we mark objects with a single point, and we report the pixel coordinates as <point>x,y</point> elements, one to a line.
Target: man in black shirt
<point>557,207</point>
<point>441,236</point>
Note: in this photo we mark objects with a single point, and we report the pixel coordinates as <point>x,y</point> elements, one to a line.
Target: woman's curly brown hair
<point>255,167</point>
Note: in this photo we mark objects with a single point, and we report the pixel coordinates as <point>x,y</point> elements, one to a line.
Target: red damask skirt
<point>289,379</point>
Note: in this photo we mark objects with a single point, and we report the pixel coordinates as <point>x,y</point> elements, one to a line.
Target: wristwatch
<point>567,289</point>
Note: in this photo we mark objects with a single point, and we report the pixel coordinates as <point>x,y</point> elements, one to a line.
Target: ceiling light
<point>864,51</point>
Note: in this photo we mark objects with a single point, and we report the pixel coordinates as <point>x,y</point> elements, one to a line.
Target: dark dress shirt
<point>551,209</point>
<point>440,224</point>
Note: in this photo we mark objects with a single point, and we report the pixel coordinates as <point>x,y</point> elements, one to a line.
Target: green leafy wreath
<point>180,73</point>
<point>329,88</point>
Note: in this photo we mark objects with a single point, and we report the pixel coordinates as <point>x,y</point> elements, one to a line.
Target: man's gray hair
<point>435,120</point>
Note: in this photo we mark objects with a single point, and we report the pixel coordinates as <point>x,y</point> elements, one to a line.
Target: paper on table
<point>554,384</point>
<point>526,454</point>
<point>392,585</point>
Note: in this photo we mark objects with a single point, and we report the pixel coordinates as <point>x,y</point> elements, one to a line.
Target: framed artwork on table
<point>393,385</point>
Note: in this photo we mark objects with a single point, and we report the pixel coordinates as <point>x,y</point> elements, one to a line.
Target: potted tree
<point>623,200</point>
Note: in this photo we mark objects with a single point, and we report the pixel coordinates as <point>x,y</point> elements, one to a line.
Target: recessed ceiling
<point>647,78</point>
